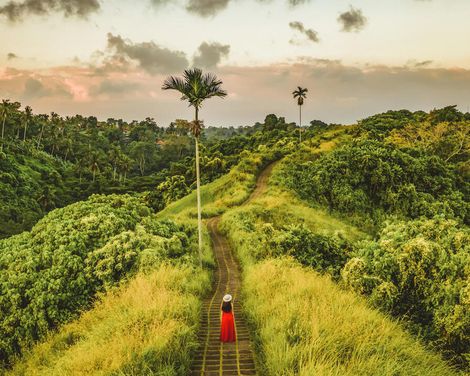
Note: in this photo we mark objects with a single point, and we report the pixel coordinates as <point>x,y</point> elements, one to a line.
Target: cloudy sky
<point>109,57</point>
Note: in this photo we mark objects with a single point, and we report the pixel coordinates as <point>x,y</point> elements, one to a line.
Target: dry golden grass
<point>144,328</point>
<point>307,325</point>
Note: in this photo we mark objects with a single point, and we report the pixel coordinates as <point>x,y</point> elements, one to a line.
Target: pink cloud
<point>337,92</point>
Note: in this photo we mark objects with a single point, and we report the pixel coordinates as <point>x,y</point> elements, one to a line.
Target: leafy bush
<point>373,179</point>
<point>325,253</point>
<point>420,270</point>
<point>51,273</point>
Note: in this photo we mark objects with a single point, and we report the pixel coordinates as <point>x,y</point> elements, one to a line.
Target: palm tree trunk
<point>3,129</point>
<point>40,135</point>
<point>300,123</point>
<point>198,194</point>
<point>25,129</point>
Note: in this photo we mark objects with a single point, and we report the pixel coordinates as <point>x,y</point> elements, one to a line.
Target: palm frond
<point>300,92</point>
<point>195,86</point>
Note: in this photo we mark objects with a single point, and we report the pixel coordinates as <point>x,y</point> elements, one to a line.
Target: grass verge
<point>146,327</point>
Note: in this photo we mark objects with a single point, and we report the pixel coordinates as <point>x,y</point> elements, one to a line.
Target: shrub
<point>51,273</point>
<point>419,270</point>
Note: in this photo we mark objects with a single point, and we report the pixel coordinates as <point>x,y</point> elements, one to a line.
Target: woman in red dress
<point>227,327</point>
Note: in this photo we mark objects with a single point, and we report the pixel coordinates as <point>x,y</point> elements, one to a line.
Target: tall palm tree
<point>300,94</point>
<point>44,121</point>
<point>196,87</point>
<point>4,113</point>
<point>94,164</point>
<point>28,111</point>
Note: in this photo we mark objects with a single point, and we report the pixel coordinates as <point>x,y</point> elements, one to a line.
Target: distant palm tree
<point>81,165</point>
<point>43,121</point>
<point>196,87</point>
<point>28,111</point>
<point>124,165</point>
<point>4,113</point>
<point>94,164</point>
<point>300,94</point>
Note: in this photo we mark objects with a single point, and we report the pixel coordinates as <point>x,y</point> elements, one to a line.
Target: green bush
<point>51,273</point>
<point>420,270</point>
<point>324,253</point>
<point>368,178</point>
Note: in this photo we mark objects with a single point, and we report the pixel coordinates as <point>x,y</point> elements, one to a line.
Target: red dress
<point>227,327</point>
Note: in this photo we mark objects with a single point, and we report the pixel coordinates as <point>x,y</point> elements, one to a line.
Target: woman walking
<point>227,327</point>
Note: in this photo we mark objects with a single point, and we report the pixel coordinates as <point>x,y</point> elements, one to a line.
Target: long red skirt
<point>227,328</point>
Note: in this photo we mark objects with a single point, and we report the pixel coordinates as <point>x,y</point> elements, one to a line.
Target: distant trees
<point>451,141</point>
<point>141,151</point>
<point>447,114</point>
<point>196,87</point>
<point>272,122</point>
<point>318,124</point>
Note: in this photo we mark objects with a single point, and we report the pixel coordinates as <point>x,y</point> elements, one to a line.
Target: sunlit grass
<point>307,325</point>
<point>225,192</point>
<point>144,328</point>
<point>303,322</point>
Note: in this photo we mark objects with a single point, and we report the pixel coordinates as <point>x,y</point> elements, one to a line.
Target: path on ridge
<point>214,357</point>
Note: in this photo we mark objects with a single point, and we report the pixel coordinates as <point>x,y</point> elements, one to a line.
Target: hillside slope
<point>304,323</point>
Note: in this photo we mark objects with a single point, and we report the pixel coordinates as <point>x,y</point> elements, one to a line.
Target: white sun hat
<point>227,298</point>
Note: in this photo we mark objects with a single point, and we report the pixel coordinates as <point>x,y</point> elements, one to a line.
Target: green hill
<point>355,261</point>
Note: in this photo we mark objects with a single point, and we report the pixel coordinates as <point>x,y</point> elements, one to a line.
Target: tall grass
<point>306,325</point>
<point>246,225</point>
<point>146,327</point>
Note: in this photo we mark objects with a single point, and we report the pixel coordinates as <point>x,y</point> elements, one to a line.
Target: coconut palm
<point>300,94</point>
<point>94,164</point>
<point>28,113</point>
<point>196,87</point>
<point>44,121</point>
<point>4,113</point>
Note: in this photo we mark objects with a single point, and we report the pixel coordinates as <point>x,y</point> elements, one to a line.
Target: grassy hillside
<point>131,272</point>
<point>145,327</point>
<point>307,325</point>
<point>303,322</point>
<point>404,178</point>
<point>227,191</point>
<point>95,254</point>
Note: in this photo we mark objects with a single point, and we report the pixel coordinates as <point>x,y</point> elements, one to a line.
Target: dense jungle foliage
<point>49,161</point>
